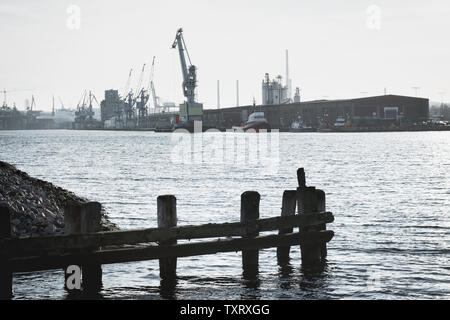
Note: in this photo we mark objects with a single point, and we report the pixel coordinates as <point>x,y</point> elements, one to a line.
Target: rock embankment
<point>37,206</point>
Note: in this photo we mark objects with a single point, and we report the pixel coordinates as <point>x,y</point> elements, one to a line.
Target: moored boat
<point>256,121</point>
<point>300,126</point>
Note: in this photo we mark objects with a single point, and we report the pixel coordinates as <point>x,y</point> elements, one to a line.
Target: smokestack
<point>237,93</point>
<point>218,94</point>
<point>288,85</point>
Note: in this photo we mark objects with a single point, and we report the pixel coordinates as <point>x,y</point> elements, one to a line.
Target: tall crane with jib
<point>152,87</point>
<point>190,110</point>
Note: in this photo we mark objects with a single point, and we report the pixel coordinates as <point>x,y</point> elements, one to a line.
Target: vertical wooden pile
<point>5,271</point>
<point>310,200</point>
<point>249,213</point>
<point>167,217</point>
<point>80,218</point>
<point>287,209</point>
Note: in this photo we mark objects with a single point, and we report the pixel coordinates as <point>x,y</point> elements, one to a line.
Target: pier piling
<point>250,213</point>
<point>287,209</point>
<point>5,272</point>
<point>72,225</point>
<point>307,201</point>
<point>167,217</point>
<point>92,273</point>
<point>84,247</point>
<point>321,208</point>
<point>84,219</point>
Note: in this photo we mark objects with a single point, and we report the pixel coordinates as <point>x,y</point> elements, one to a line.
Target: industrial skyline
<point>336,50</point>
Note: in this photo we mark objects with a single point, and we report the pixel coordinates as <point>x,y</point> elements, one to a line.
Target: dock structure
<point>82,250</point>
<point>371,112</point>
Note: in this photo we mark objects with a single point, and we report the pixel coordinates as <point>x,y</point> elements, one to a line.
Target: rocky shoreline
<point>37,206</point>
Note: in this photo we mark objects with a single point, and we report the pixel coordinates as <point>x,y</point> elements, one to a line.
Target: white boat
<point>300,126</point>
<point>340,122</point>
<point>256,121</point>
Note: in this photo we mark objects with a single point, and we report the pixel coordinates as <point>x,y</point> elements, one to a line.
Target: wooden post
<point>301,178</point>
<point>72,225</point>
<point>322,208</point>
<point>5,232</point>
<point>79,219</point>
<point>308,203</point>
<point>250,212</point>
<point>287,209</point>
<point>91,223</point>
<point>167,217</point>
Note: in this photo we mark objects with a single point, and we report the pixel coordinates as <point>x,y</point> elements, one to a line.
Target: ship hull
<point>257,126</point>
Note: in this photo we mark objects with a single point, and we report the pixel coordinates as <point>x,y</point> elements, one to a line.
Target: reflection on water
<point>168,288</point>
<point>253,288</point>
<point>389,192</point>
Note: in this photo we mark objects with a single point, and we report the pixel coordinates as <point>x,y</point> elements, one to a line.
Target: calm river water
<point>389,192</point>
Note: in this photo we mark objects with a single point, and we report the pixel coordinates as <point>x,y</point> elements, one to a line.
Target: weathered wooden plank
<point>287,209</point>
<point>18,247</point>
<point>27,264</point>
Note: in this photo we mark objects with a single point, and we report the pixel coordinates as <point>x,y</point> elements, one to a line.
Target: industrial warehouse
<point>380,112</point>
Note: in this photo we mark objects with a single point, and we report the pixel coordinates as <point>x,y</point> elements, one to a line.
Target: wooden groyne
<point>84,247</point>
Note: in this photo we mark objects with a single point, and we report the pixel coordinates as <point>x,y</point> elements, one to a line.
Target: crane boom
<point>139,84</point>
<point>190,110</point>
<point>152,85</point>
<point>127,85</point>
<point>62,104</point>
<point>189,73</point>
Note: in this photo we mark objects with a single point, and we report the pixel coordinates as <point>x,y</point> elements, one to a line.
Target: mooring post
<point>249,213</point>
<point>301,178</point>
<point>72,225</point>
<point>82,218</point>
<point>307,204</point>
<point>91,223</point>
<point>287,209</point>
<point>167,217</point>
<point>320,194</point>
<point>5,271</point>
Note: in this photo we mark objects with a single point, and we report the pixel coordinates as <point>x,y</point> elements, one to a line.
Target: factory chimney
<point>218,94</point>
<point>237,93</point>
<point>288,81</point>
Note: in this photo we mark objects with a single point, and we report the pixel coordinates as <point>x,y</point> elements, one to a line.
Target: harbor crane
<point>4,105</point>
<point>190,110</point>
<point>152,87</point>
<point>132,97</point>
<point>138,88</point>
<point>85,110</point>
<point>4,91</point>
<point>62,104</point>
<point>141,98</point>
<point>127,85</point>
<point>33,103</point>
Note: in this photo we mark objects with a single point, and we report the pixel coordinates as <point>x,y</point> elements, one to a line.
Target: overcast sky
<point>337,49</point>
